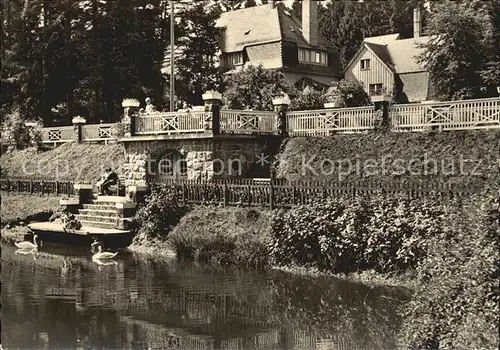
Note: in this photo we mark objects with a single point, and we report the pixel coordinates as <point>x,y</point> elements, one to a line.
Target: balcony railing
<point>170,123</point>
<point>327,121</point>
<point>248,122</point>
<point>455,115</point>
<point>57,135</point>
<point>450,115</point>
<point>99,132</point>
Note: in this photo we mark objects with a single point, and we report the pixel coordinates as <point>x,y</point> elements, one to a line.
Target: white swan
<point>103,255</point>
<point>28,245</point>
<point>105,262</point>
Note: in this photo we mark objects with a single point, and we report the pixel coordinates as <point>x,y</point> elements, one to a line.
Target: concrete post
<point>382,110</point>
<point>83,193</point>
<point>281,107</point>
<point>213,103</point>
<point>130,111</point>
<point>78,123</point>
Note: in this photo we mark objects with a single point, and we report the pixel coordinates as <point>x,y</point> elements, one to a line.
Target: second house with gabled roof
<point>270,35</point>
<point>388,65</point>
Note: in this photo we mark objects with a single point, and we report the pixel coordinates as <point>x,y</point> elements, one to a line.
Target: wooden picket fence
<point>284,194</point>
<point>261,192</point>
<point>36,186</point>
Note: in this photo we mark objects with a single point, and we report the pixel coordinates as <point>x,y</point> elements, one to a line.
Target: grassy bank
<point>21,209</point>
<point>229,236</point>
<point>452,157</point>
<point>16,209</point>
<point>68,161</point>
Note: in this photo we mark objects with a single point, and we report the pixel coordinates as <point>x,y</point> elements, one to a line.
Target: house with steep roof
<point>270,35</point>
<point>388,65</point>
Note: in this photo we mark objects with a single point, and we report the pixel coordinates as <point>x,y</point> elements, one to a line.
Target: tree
<point>308,99</point>
<point>254,88</point>
<point>350,93</point>
<point>197,68</point>
<point>459,56</point>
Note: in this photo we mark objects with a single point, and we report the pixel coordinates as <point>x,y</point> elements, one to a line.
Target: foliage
<point>24,208</point>
<point>307,99</point>
<point>254,88</point>
<point>349,93</point>
<point>160,212</point>
<point>461,55</point>
<point>67,58</point>
<point>21,134</point>
<point>196,67</point>
<point>456,303</point>
<point>347,235</point>
<point>223,236</point>
<point>455,157</point>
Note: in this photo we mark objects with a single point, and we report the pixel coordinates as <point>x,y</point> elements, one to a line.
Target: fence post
<point>184,193</point>
<point>31,186</point>
<point>8,186</point>
<point>225,195</point>
<point>249,195</point>
<point>18,186</point>
<point>271,196</point>
<point>42,187</point>
<point>57,188</point>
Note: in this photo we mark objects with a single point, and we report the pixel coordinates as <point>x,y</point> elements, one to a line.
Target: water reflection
<point>65,300</point>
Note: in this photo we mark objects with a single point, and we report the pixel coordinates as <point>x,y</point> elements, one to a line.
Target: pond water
<point>60,299</point>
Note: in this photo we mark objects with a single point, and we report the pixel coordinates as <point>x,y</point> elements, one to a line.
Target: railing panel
<point>327,121</point>
<point>452,115</point>
<point>99,132</point>
<point>170,123</point>
<point>57,134</point>
<point>241,122</point>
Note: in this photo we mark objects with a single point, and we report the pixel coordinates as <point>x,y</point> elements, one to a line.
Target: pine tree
<point>197,69</point>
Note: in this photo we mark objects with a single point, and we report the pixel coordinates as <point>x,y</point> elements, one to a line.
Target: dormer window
<point>313,56</point>
<point>365,64</point>
<point>235,58</point>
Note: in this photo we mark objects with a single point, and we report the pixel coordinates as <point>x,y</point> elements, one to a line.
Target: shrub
<point>223,236</point>
<point>255,87</point>
<point>160,212</point>
<point>21,134</point>
<point>308,99</point>
<point>386,234</point>
<point>350,93</point>
<point>456,303</point>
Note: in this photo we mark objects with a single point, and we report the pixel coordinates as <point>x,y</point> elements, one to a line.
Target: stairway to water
<point>99,213</point>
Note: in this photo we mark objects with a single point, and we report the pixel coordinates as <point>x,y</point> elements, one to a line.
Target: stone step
<point>108,213</point>
<point>99,207</point>
<point>88,223</point>
<point>97,218</point>
<point>95,201</point>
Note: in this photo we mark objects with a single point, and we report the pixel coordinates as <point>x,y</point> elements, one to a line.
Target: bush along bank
<point>385,234</point>
<point>457,296</point>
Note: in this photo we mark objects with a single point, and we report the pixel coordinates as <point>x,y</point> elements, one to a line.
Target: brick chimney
<point>417,23</point>
<point>310,21</point>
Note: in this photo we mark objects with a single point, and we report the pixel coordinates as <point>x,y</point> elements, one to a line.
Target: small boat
<point>85,236</point>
